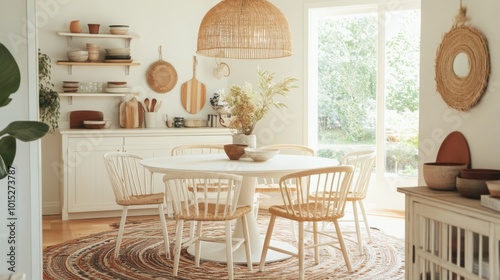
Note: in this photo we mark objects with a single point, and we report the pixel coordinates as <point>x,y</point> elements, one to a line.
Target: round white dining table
<point>276,167</point>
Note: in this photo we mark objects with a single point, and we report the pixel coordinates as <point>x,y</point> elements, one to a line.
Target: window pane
<point>402,92</point>
<point>347,62</point>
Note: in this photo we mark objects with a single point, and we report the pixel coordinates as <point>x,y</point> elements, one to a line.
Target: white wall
<point>23,239</point>
<point>480,125</point>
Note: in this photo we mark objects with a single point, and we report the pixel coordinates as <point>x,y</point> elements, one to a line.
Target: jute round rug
<point>92,258</point>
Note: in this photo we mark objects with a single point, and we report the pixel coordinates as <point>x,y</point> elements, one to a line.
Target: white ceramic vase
<point>243,139</point>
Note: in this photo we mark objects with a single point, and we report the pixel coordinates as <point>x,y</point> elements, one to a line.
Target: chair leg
<point>256,206</point>
<point>248,252</point>
<point>178,246</point>
<point>229,251</point>
<point>316,241</point>
<point>164,231</point>
<point>356,224</point>
<point>362,207</point>
<point>197,247</point>
<point>267,240</point>
<point>342,246</point>
<point>301,249</point>
<point>121,230</point>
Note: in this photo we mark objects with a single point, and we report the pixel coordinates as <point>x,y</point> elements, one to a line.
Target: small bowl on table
<point>442,176</point>
<point>261,154</point>
<point>493,188</point>
<point>234,151</point>
<point>94,124</point>
<point>118,29</point>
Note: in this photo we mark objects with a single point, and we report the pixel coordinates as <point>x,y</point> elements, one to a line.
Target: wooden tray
<point>76,118</point>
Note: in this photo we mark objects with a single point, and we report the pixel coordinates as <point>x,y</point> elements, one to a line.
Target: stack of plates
<point>117,87</point>
<point>70,86</point>
<point>118,55</point>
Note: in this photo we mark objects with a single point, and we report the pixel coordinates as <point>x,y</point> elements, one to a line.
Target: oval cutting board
<point>454,149</point>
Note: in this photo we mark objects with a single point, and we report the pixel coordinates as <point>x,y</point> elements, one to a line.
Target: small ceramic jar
<point>178,122</point>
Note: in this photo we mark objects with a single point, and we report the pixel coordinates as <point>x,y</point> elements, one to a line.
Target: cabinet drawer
<point>81,143</point>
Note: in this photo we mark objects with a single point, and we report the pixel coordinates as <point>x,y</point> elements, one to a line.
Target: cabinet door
<point>450,244</point>
<point>89,188</point>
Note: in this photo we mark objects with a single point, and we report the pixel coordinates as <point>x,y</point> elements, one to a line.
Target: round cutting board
<point>454,149</point>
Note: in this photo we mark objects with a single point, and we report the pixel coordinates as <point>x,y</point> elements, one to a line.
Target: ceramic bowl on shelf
<point>118,29</point>
<point>494,188</point>
<point>234,151</point>
<point>261,154</point>
<point>442,175</point>
<point>78,55</point>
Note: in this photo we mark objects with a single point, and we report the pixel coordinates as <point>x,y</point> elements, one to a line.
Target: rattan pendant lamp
<point>245,29</point>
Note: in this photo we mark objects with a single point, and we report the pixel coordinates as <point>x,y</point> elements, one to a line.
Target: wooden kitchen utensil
<point>76,118</point>
<point>193,93</point>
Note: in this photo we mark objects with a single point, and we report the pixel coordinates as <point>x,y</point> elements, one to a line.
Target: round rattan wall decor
<point>462,92</point>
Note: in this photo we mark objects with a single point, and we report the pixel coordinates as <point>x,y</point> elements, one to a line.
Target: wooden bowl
<point>442,175</point>
<point>234,151</point>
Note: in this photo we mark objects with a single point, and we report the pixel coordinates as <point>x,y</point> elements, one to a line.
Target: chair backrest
<point>292,149</point>
<point>128,177</point>
<point>320,193</point>
<point>363,162</point>
<point>287,149</point>
<point>214,197</point>
<point>195,149</point>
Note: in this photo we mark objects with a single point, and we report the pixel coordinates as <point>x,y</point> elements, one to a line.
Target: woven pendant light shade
<point>247,29</point>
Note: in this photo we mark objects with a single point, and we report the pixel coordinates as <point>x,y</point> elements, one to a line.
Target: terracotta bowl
<point>234,151</point>
<point>471,188</point>
<point>442,175</point>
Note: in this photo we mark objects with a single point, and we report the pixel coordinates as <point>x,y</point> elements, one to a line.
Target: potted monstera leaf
<point>10,79</point>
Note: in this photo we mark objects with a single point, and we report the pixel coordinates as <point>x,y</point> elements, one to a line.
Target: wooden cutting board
<point>76,118</point>
<point>454,149</point>
<point>131,114</point>
<point>193,93</point>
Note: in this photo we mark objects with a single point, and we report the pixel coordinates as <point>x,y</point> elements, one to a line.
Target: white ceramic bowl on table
<point>261,154</point>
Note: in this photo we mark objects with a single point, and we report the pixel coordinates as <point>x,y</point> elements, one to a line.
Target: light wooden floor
<point>56,231</point>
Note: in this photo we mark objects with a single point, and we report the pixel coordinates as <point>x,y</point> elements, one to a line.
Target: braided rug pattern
<point>92,258</point>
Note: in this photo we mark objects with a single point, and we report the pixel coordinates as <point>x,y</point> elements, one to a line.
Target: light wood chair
<point>132,187</point>
<point>270,185</point>
<point>299,206</point>
<point>193,205</point>
<point>195,149</point>
<point>363,162</point>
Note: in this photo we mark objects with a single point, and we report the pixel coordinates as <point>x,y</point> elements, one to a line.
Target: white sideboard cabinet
<point>85,188</point>
<point>449,236</point>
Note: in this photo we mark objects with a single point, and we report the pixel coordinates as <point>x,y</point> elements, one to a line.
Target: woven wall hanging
<point>462,92</point>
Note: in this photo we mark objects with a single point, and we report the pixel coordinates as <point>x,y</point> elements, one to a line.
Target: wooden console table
<point>449,236</point>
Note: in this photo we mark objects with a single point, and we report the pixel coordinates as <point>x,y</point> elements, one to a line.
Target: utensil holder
<point>150,118</point>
